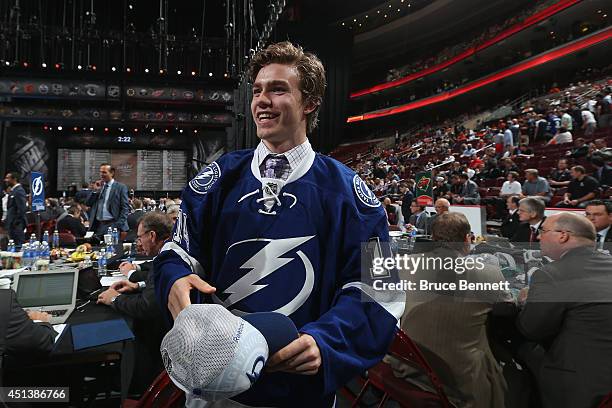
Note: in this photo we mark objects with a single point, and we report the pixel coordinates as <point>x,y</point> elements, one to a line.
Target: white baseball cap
<point>212,354</point>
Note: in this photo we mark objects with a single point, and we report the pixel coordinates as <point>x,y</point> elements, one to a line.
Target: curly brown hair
<point>311,73</point>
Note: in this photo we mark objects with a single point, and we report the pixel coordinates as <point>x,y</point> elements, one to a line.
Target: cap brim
<point>277,329</point>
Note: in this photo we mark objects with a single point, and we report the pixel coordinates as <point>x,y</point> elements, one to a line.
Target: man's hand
<point>42,316</point>
<point>178,299</point>
<point>522,296</point>
<point>107,296</point>
<point>301,356</point>
<point>574,202</point>
<point>126,267</point>
<point>125,286</point>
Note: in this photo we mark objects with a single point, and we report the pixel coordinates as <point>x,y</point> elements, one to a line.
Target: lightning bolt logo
<point>262,264</point>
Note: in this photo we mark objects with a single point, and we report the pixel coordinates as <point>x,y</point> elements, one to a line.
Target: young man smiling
<point>279,229</point>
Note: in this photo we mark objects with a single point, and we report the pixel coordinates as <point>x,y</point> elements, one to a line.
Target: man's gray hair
<point>532,171</point>
<point>159,222</point>
<point>579,226</point>
<point>172,209</point>
<point>534,204</point>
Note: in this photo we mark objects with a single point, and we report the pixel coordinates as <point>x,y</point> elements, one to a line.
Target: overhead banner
<point>424,188</point>
<point>38,191</point>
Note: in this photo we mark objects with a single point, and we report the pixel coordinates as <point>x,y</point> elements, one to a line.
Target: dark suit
<point>406,202</point>
<point>117,205</point>
<point>149,329</point>
<point>82,196</point>
<point>133,220</point>
<point>510,225</point>
<point>569,312</point>
<point>72,225</point>
<point>522,235</point>
<point>18,334</point>
<point>469,192</point>
<point>16,214</point>
<point>421,222</point>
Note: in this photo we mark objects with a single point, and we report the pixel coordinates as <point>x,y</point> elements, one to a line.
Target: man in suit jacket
<point>450,326</point>
<point>419,218</point>
<point>133,219</point>
<point>568,310</point>
<point>16,209</point>
<point>137,300</point>
<point>82,196</point>
<point>70,222</point>
<point>468,194</point>
<point>600,214</point>
<point>512,222</point>
<point>531,215</point>
<point>19,334</point>
<point>109,203</point>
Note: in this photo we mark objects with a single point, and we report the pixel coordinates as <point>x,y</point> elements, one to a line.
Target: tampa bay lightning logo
<point>258,365</point>
<point>37,186</point>
<point>206,179</point>
<point>265,262</point>
<point>364,194</point>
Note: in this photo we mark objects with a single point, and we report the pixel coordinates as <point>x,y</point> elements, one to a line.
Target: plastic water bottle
<point>109,231</point>
<point>27,255</point>
<point>115,236</point>
<point>32,239</point>
<point>55,239</point>
<point>34,249</point>
<point>44,257</point>
<point>102,263</point>
<point>11,246</point>
<point>46,237</point>
<point>412,239</point>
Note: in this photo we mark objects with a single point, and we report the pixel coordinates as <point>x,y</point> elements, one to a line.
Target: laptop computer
<point>53,292</point>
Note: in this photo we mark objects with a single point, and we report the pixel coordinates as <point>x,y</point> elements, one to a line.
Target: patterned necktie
<point>534,235</point>
<point>276,167</point>
<point>100,208</point>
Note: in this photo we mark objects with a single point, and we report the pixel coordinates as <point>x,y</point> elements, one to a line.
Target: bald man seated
<point>568,311</point>
<point>442,205</point>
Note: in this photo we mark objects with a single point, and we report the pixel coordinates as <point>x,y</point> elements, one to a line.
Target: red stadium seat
<point>406,394</point>
<point>161,394</point>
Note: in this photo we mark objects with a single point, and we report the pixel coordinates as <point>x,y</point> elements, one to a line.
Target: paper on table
<point>109,280</point>
<point>89,234</point>
<point>59,329</point>
<point>10,272</point>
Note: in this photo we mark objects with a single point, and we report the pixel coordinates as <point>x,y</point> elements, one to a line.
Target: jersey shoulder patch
<point>364,194</point>
<point>205,179</point>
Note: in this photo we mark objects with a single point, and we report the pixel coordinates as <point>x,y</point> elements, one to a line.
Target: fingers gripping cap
<point>212,354</point>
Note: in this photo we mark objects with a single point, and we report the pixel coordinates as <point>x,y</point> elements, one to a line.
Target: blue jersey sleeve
<point>355,333</point>
<point>183,254</point>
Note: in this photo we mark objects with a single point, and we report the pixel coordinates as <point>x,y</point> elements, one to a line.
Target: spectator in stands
<point>564,136</point>
<point>136,214</point>
<point>508,138</point>
<point>566,121</point>
<point>498,140</point>
<point>70,222</point>
<point>602,160</point>
<point>468,193</point>
<point>452,325</point>
<point>441,189</point>
<point>393,188</point>
<point>534,185</point>
<point>419,219</point>
<point>523,151</point>
<point>515,128</point>
<point>469,151</point>
<point>507,166</point>
<point>568,311</point>
<point>512,221</point>
<point>580,190</point>
<point>600,214</point>
<point>589,124</point>
<point>561,176</point>
<point>531,215</point>
<point>604,112</point>
<point>581,149</point>
<point>511,187</point>
<point>407,197</point>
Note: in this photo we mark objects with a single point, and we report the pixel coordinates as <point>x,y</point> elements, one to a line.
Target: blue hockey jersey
<point>292,247</point>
